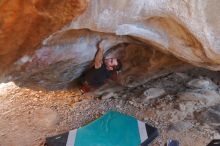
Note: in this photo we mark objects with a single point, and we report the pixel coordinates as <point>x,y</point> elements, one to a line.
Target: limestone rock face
<point>38,41</point>
<point>24,24</point>
<point>187,29</point>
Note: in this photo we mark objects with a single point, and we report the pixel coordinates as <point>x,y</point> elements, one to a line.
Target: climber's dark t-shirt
<point>97,77</point>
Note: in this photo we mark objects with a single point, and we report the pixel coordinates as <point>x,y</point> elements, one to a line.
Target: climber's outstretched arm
<point>99,56</point>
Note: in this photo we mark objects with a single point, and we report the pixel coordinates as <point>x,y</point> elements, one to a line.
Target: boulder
<point>210,116</point>
<point>152,93</point>
<point>38,35</point>
<point>207,97</point>
<point>202,84</point>
<point>180,126</point>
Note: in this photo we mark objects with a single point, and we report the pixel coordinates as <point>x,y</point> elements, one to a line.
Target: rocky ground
<point>182,105</point>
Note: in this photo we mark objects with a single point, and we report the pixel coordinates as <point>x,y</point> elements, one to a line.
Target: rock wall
<point>187,29</point>
<point>24,24</point>
<point>184,29</point>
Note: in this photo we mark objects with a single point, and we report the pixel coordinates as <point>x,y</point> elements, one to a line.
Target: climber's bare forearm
<point>99,57</point>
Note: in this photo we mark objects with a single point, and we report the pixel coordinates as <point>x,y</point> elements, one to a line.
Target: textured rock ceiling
<point>66,55</point>
<point>187,29</point>
<point>37,36</point>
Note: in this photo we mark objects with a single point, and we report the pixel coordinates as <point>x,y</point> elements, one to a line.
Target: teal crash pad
<point>112,129</point>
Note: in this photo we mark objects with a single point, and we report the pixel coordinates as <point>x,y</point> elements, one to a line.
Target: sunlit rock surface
<point>187,29</point>
<point>24,24</point>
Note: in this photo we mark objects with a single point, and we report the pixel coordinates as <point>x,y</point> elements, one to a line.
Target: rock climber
<point>102,70</point>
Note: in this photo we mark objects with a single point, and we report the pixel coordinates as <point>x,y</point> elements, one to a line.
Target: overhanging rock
<point>187,29</point>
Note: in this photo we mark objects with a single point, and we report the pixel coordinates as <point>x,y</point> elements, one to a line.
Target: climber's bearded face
<point>111,63</point>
